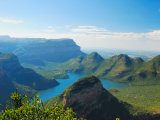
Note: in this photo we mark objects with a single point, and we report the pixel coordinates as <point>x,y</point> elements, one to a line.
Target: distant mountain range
<point>119,67</point>
<point>38,50</point>
<point>13,76</point>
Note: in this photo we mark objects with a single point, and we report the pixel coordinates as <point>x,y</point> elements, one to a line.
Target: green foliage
<point>22,108</point>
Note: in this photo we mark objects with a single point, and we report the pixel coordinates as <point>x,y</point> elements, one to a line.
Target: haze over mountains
<point>39,50</point>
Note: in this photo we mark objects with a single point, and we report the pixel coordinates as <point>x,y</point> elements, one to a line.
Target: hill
<point>150,70</point>
<point>13,75</point>
<point>118,67</point>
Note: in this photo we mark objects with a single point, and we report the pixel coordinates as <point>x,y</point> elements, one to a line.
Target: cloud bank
<point>93,37</point>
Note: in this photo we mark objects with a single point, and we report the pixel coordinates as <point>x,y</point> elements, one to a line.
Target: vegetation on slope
<point>21,108</point>
<point>144,99</point>
<point>118,67</point>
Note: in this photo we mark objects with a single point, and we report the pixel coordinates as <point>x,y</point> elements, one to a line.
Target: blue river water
<point>64,83</point>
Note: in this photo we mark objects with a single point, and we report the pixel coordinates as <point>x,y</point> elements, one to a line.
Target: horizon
<point>120,50</point>
<point>108,24</point>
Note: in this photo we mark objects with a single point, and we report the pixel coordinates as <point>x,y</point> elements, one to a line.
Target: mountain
<point>10,64</point>
<point>118,67</point>
<point>90,100</point>
<point>12,75</point>
<point>38,50</point>
<point>150,70</point>
<point>87,64</point>
<point>49,50</point>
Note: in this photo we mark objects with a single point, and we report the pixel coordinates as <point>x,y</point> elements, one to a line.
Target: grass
<point>142,98</point>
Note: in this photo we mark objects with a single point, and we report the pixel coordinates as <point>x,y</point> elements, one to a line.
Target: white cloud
<point>154,35</point>
<point>101,38</point>
<point>10,21</point>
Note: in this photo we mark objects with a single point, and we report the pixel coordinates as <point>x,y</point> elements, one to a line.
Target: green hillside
<point>86,65</point>
<point>120,68</point>
<point>13,76</point>
<point>142,98</point>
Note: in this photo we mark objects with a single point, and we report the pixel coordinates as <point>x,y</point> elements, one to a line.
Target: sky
<point>93,24</point>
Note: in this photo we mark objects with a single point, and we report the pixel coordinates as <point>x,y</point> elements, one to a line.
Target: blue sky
<point>93,23</point>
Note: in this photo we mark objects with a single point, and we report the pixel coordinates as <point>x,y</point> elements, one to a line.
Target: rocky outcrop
<point>90,100</point>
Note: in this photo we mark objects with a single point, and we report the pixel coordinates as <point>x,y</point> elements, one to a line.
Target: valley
<point>134,82</point>
<point>79,59</point>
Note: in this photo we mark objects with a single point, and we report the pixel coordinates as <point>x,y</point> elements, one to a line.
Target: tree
<point>23,108</point>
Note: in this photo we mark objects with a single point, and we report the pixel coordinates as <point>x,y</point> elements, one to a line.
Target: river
<point>64,83</point>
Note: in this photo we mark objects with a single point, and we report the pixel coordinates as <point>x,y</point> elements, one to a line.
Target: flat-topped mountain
<point>50,50</point>
<point>90,100</point>
<point>38,50</point>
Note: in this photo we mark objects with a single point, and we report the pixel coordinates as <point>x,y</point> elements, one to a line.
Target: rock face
<point>50,50</point>
<point>12,72</point>
<point>90,100</point>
